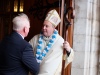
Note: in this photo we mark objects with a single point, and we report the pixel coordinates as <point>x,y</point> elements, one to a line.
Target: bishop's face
<point>47,28</point>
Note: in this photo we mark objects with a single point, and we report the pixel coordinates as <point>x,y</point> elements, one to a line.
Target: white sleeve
<point>69,58</point>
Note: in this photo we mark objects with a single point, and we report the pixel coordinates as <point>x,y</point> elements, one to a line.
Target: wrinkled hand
<point>66,46</point>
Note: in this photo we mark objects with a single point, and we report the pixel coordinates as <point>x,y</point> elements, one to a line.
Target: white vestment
<point>52,62</point>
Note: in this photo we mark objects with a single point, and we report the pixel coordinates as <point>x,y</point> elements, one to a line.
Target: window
<point>18,5</point>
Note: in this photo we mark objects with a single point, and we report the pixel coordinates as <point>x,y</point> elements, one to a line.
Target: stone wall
<point>86,38</point>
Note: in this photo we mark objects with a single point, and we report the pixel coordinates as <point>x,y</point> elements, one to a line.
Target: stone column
<point>86,38</point>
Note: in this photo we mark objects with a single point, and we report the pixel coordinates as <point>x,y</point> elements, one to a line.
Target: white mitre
<point>53,17</point>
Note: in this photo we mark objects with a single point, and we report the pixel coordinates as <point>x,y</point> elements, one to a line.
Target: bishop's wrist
<point>68,51</point>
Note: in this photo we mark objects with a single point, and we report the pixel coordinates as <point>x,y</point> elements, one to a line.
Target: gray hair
<point>20,21</point>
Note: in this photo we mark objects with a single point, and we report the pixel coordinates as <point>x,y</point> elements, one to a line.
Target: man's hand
<point>66,46</point>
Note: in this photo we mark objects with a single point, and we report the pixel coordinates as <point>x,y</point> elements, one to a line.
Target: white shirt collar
<point>21,35</point>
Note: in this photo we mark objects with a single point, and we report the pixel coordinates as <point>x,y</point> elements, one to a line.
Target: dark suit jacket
<point>16,56</point>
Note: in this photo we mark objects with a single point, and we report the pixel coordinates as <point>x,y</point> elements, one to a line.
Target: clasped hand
<point>66,46</point>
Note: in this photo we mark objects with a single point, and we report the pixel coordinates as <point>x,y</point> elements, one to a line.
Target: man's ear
<point>25,29</point>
